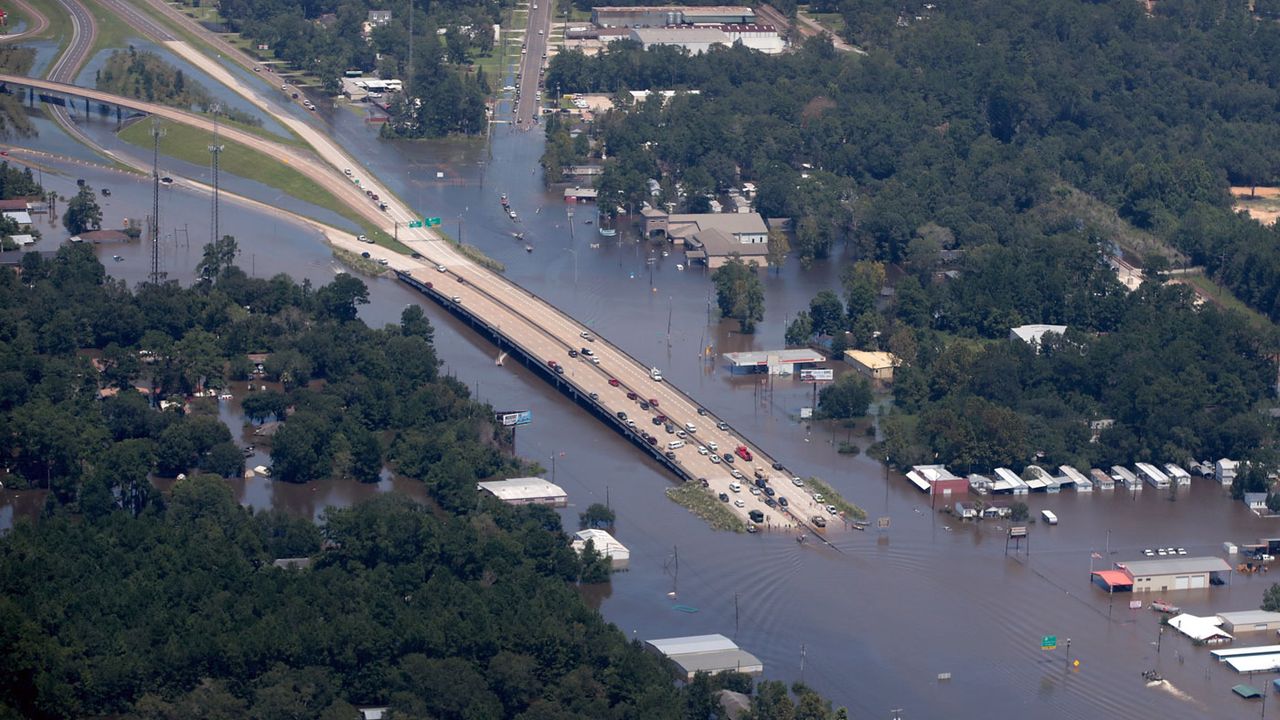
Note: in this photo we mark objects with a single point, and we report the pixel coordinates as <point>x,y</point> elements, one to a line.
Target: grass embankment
<point>362,265</point>
<point>831,497</point>
<point>473,253</point>
<point>113,33</point>
<point>1138,244</point>
<point>190,145</point>
<point>702,503</point>
<point>1224,299</point>
<point>59,26</point>
<point>831,22</point>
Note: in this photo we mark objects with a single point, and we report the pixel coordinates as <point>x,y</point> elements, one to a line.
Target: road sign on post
<point>1049,642</point>
<point>432,222</point>
<point>415,223</point>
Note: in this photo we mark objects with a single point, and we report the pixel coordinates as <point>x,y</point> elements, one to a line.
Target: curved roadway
<point>38,22</point>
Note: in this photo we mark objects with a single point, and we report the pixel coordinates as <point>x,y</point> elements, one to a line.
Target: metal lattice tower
<point>215,150</point>
<point>156,276</point>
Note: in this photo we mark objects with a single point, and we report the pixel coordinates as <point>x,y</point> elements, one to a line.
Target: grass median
<point>702,503</point>
<point>191,145</point>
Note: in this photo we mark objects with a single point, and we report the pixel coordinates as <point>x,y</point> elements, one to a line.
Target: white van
<point>711,445</point>
<point>735,487</point>
<point>690,427</point>
<point>675,444</point>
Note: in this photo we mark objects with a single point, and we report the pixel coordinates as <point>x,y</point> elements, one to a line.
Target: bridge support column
<point>86,108</point>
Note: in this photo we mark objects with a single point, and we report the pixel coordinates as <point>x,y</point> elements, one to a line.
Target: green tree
<point>848,397</point>
<point>739,292</point>
<point>218,257</point>
<point>779,249</point>
<point>1271,598</point>
<point>597,515</point>
<point>827,313</point>
<point>800,329</point>
<point>82,212</point>
<point>1019,512</point>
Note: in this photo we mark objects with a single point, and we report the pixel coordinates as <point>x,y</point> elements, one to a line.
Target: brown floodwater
<point>871,623</point>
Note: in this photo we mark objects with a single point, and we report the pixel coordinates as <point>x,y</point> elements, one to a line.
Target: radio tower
<point>156,133</point>
<point>214,150</point>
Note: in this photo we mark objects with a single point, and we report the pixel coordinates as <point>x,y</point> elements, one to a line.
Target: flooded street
<point>872,623</point>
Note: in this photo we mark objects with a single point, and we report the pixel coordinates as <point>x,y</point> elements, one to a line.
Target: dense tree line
<point>123,602</point>
<point>144,75</point>
<point>327,38</point>
<point>979,118</point>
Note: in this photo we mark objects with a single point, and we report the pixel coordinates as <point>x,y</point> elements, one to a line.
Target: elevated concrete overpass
<point>515,317</point>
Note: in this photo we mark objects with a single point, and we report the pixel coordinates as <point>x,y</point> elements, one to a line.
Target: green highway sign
<point>415,223</point>
<point>431,222</point>
<point>1049,642</point>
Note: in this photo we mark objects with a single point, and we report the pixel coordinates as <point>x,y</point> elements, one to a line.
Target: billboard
<point>817,374</point>
<point>514,417</point>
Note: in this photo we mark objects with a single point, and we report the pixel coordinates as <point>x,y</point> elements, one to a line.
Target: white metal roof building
<point>696,40</point>
<point>705,653</point>
<point>605,544</point>
<point>1126,477</point>
<point>1072,476</point>
<point>1177,573</point>
<point>1033,335</point>
<point>526,491</point>
<point>1200,629</point>
<point>1007,481</point>
<point>1152,475</point>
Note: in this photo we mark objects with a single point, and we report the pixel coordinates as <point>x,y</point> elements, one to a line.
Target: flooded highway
<point>870,624</point>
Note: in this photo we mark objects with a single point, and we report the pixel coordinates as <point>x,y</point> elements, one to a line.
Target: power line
<point>214,151</point>
<point>157,132</point>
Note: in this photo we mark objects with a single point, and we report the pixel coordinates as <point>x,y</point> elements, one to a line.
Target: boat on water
<point>528,248</point>
<point>518,235</point>
<point>1151,676</point>
<point>512,214</point>
<point>608,232</point>
<point>1162,606</point>
<point>505,201</point>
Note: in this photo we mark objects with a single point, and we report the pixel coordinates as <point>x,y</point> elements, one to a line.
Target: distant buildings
<point>1033,335</point>
<point>1224,471</point>
<point>358,89</point>
<point>873,365</point>
<point>526,491</point>
<point>1256,501</point>
<point>937,480</point>
<point>712,237</point>
<point>696,40</point>
<point>666,15</point>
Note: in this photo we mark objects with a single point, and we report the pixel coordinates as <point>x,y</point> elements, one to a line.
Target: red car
<point>743,453</point>
<point>613,382</point>
<point>653,402</point>
<point>631,396</point>
<point>661,418</point>
<point>551,363</point>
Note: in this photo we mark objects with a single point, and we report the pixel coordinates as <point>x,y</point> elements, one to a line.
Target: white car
<point>735,487</point>
<point>817,497</point>
<point>441,268</point>
<point>832,509</point>
<point>702,450</point>
<point>715,459</point>
<point>713,447</point>
<point>738,503</point>
<point>737,474</point>
<point>456,299</point>
<point>755,490</point>
<point>362,238</point>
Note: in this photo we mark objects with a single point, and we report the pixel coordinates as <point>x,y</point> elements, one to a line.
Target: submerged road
<point>523,319</point>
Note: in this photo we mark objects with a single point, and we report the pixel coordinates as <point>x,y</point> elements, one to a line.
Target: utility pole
<point>156,133</point>
<point>214,150</point>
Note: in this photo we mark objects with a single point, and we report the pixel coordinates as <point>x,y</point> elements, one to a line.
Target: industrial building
<point>605,544</point>
<point>667,15</point>
<point>526,491</point>
<point>695,40</point>
<point>873,365</point>
<point>1247,621</point>
<point>711,654</point>
<point>1180,573</point>
<point>937,480</point>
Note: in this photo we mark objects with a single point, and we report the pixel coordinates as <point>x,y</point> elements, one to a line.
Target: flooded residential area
<point>961,592</point>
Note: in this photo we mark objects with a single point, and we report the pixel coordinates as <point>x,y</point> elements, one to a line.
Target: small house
<point>979,484</point>
<point>1102,480</point>
<point>605,544</point>
<point>1153,476</point>
<point>1125,476</point>
<point>966,511</point>
<point>877,366</point>
<point>1179,476</point>
<point>1224,471</point>
<point>1256,501</point>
